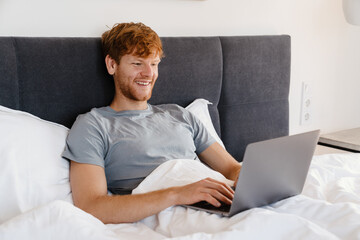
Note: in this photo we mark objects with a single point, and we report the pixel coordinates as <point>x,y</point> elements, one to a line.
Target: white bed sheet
<point>328,208</point>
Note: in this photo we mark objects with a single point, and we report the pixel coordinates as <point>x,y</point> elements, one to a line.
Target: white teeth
<point>143,83</point>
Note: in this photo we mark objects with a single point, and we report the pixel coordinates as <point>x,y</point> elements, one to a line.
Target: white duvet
<point>328,208</point>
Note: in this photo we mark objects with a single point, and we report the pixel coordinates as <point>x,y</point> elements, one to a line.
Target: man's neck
<point>124,105</point>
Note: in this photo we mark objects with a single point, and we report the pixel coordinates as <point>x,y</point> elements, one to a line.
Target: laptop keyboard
<point>203,204</point>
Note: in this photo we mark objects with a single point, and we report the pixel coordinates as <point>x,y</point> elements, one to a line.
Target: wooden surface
<point>319,150</point>
<point>348,139</point>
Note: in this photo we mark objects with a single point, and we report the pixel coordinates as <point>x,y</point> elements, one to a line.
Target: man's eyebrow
<point>138,58</point>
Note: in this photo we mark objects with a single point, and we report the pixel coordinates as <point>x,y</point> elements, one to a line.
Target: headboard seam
<point>222,70</point>
<point>19,90</point>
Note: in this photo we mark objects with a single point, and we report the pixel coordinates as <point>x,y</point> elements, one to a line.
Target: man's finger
<point>219,191</point>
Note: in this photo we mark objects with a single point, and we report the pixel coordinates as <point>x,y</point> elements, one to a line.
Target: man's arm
<point>220,160</point>
<point>89,189</point>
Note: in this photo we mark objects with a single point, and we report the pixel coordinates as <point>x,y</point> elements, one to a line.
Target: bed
<point>237,85</point>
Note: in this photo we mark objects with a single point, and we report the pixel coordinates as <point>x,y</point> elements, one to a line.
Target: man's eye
<point>136,64</point>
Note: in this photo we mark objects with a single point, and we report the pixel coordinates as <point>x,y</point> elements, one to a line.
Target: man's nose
<point>147,71</point>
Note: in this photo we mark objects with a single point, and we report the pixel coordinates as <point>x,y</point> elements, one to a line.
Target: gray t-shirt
<point>131,144</point>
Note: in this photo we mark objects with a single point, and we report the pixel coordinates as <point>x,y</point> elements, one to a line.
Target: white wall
<point>325,49</point>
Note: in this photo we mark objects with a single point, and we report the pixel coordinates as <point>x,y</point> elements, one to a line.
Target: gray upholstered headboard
<point>246,78</point>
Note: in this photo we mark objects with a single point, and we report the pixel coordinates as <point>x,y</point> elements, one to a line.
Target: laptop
<point>272,170</point>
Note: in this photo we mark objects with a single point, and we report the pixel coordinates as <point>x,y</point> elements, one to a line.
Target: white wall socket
<point>306,115</point>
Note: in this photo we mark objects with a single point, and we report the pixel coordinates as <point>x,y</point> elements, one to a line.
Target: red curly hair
<point>131,38</point>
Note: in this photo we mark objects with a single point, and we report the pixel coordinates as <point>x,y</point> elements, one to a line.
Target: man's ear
<point>110,64</point>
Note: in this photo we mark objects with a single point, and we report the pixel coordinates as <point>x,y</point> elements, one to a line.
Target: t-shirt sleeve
<point>85,143</point>
<point>202,138</point>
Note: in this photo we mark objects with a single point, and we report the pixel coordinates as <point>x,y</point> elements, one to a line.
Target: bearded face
<point>135,77</point>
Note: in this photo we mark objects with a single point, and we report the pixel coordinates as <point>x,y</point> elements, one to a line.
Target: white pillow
<point>32,171</point>
<point>199,108</point>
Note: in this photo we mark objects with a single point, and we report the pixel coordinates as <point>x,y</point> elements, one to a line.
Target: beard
<point>136,93</point>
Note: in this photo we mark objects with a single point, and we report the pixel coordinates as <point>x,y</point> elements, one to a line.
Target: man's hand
<point>209,190</point>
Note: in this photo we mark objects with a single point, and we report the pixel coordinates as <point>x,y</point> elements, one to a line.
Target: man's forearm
<point>234,174</point>
<point>130,208</point>
<point>220,160</point>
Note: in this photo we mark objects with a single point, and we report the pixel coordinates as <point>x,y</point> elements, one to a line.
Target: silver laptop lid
<point>273,170</point>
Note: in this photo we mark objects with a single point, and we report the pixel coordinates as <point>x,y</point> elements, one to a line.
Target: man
<point>114,148</point>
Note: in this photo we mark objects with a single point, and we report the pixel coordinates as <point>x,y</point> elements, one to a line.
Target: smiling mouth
<point>143,83</point>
